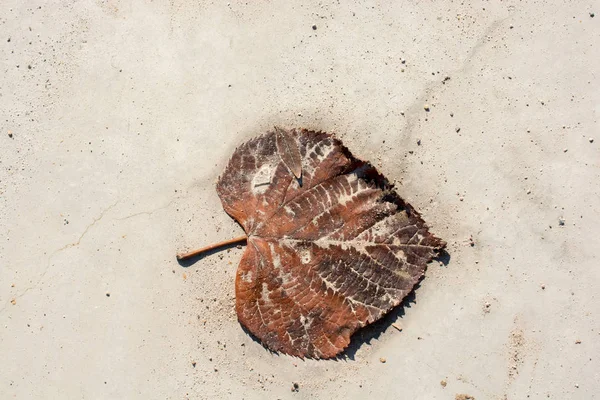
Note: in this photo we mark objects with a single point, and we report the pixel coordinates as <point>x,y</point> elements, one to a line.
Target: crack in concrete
<point>148,212</point>
<point>55,252</point>
<point>88,227</point>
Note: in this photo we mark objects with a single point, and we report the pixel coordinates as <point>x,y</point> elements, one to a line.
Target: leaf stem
<point>211,247</point>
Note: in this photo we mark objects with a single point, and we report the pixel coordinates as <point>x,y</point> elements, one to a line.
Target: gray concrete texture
<point>118,117</point>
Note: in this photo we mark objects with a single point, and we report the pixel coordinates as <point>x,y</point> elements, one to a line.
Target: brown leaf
<point>323,259</point>
<point>289,151</point>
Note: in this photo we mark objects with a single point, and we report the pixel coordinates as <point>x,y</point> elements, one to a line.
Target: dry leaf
<point>323,259</point>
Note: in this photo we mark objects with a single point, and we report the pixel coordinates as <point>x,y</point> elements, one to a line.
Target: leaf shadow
<point>443,257</point>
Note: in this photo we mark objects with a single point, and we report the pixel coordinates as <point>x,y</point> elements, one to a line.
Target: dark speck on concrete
<point>314,27</point>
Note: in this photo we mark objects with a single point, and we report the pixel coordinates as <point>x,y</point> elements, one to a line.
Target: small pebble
<point>295,387</point>
<point>592,15</point>
<point>13,301</point>
<point>543,286</point>
<point>10,134</point>
<point>426,107</point>
<point>418,142</point>
<point>529,192</point>
<point>443,383</point>
<point>194,364</point>
<point>457,129</point>
<point>382,360</point>
<point>107,294</point>
<point>591,140</point>
<point>314,27</point>
<point>561,221</point>
<point>578,341</point>
<point>565,150</point>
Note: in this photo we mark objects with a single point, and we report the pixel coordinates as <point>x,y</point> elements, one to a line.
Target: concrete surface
<point>123,114</point>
